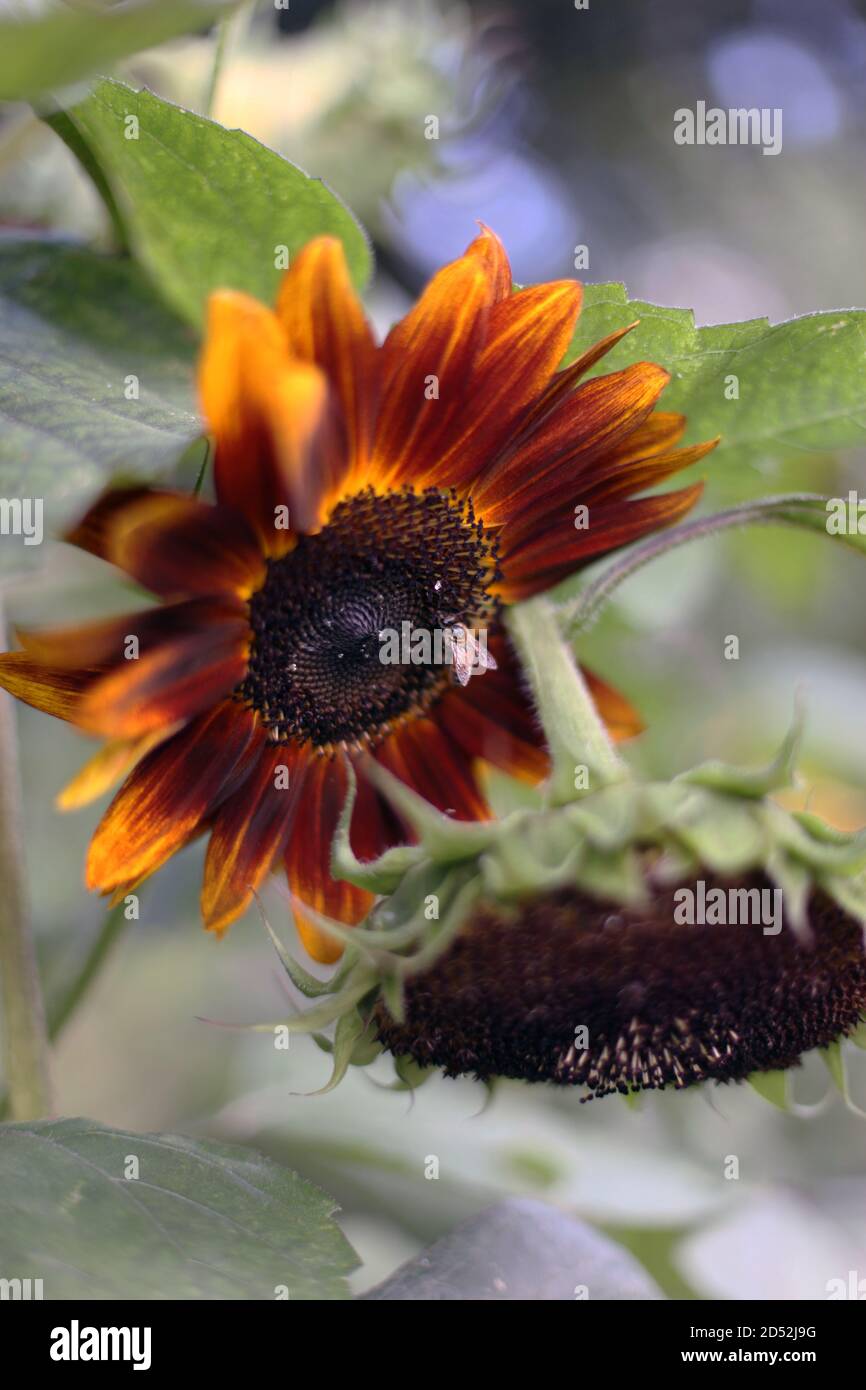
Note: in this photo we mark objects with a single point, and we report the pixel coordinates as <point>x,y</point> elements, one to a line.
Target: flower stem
<point>229,29</point>
<point>60,1012</point>
<point>582,755</point>
<point>25,1040</point>
<point>806,509</point>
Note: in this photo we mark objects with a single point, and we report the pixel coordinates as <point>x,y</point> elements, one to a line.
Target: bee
<point>468,656</point>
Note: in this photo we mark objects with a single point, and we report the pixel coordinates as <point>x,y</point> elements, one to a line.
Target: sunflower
<point>623,936</point>
<point>422,485</point>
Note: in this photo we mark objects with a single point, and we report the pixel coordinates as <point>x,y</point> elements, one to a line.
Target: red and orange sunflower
<point>358,488</point>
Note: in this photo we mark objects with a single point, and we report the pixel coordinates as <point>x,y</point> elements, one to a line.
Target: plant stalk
<point>25,1039</point>
<point>582,754</point>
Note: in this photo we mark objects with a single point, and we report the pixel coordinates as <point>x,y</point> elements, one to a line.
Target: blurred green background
<point>556,128</point>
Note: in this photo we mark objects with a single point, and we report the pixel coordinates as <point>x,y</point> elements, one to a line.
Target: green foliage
<point>201,1220</point>
<point>207,208</point>
<point>74,326</point>
<point>63,43</point>
<point>802,383</point>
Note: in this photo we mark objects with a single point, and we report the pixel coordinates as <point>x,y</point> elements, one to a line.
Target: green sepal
<point>377,875</point>
<point>410,1074</point>
<point>795,881</point>
<point>753,782</point>
<point>309,985</point>
<point>443,838</point>
<point>835,1063</point>
<point>722,832</point>
<point>774,1086</point>
<point>350,1035</point>
<point>842,854</point>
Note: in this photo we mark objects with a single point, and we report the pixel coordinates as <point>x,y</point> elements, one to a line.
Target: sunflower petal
<point>167,797</point>
<point>250,831</point>
<point>422,756</point>
<point>104,643</point>
<point>271,416</point>
<point>308,860</point>
<point>188,548</point>
<point>563,382</point>
<point>325,324</point>
<point>491,255</point>
<point>546,558</point>
<point>588,423</point>
<point>603,484</point>
<point>527,336</point>
<point>175,681</point>
<point>492,717</point>
<point>54,690</point>
<point>427,359</point>
<point>107,767</point>
<point>621,718</point>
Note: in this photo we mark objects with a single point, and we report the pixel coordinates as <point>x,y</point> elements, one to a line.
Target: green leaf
<point>74,327</point>
<point>60,44</point>
<point>207,207</point>
<point>201,1220</point>
<point>802,384</point>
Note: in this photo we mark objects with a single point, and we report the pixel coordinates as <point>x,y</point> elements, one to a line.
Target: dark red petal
<point>423,757</point>
<point>604,484</point>
<point>539,563</point>
<point>325,323</point>
<point>583,427</point>
<point>526,338</point>
<point>173,682</point>
<point>426,361</point>
<point>563,382</point>
<point>308,859</point>
<point>167,797</point>
<point>54,690</point>
<point>249,833</point>
<point>194,549</point>
<point>492,717</point>
<point>105,643</point>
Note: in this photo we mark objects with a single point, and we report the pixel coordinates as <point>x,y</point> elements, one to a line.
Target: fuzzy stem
<point>792,509</point>
<point>572,726</point>
<point>25,1041</point>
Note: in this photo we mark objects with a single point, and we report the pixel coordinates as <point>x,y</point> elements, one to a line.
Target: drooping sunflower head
<point>567,988</point>
<point>339,605</point>
<point>627,936</point>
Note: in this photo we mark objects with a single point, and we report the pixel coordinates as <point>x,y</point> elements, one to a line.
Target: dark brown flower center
<point>338,655</point>
<point>616,1000</point>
